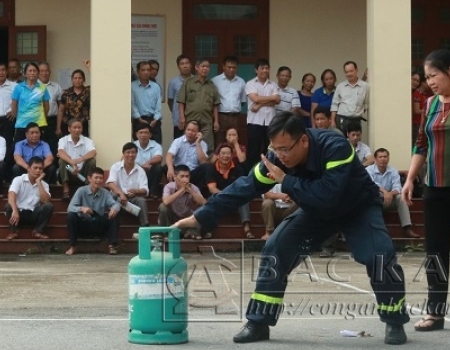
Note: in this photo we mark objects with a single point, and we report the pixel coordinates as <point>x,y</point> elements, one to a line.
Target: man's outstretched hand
<point>186,222</point>
<point>275,173</point>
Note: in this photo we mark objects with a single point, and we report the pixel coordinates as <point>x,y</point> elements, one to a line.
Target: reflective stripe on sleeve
<point>337,163</point>
<point>261,178</point>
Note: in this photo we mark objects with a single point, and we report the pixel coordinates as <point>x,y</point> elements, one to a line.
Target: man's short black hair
<point>129,145</point>
<point>31,125</point>
<point>283,68</point>
<point>286,123</point>
<point>353,127</point>
<point>322,110</point>
<point>182,57</point>
<point>142,126</point>
<point>96,170</point>
<point>153,62</point>
<point>381,150</point>
<point>181,167</point>
<point>224,145</point>
<point>35,160</point>
<point>350,62</point>
<point>261,62</point>
<point>200,60</point>
<point>231,59</point>
<point>142,63</point>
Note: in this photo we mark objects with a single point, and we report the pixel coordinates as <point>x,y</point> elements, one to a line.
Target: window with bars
<point>27,43</point>
<point>225,12</point>
<point>244,46</point>
<point>418,69</point>
<point>444,15</point>
<point>417,14</point>
<point>205,46</point>
<point>445,43</point>
<point>417,49</point>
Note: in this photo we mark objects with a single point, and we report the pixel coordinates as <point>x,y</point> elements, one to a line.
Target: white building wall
<point>307,36</point>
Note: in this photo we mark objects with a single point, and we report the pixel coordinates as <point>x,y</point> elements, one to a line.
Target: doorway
<point>4,44</point>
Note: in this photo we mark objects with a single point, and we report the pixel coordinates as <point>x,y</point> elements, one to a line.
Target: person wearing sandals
<point>79,152</point>
<point>180,199</point>
<point>149,158</point>
<point>220,175</point>
<point>92,212</point>
<point>29,201</point>
<point>431,147</point>
<point>128,182</point>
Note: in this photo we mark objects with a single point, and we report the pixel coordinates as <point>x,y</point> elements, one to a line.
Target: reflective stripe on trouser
<point>293,240</point>
<point>264,309</point>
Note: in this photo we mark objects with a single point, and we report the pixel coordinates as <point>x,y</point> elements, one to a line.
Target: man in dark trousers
<point>93,211</point>
<point>319,171</point>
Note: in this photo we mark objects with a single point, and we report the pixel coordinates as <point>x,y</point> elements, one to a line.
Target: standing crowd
<point>41,120</point>
<point>325,182</point>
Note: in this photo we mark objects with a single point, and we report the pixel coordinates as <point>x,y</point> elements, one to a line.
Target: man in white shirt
<point>79,152</point>
<point>290,100</point>
<point>275,207</point>
<point>149,158</point>
<point>232,95</point>
<point>262,96</point>
<point>6,119</point>
<point>55,91</point>
<point>362,150</point>
<point>128,182</point>
<point>350,100</point>
<point>185,68</point>
<point>29,201</point>
<point>387,179</point>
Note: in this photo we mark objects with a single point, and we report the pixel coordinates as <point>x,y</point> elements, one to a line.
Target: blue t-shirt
<point>30,104</point>
<point>321,97</point>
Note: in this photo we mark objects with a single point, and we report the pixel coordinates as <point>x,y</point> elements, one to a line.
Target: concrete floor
<point>81,302</point>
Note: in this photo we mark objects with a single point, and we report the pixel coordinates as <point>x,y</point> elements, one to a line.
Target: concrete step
<point>228,235</point>
<point>61,205</point>
<point>60,218</point>
<point>126,246</point>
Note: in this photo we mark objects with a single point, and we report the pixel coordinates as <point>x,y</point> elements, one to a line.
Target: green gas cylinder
<point>157,295</point>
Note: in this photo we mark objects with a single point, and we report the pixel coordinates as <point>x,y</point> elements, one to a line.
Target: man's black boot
<point>395,334</point>
<point>252,332</point>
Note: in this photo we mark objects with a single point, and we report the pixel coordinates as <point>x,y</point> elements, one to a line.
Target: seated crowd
<point>95,207</point>
<point>193,170</point>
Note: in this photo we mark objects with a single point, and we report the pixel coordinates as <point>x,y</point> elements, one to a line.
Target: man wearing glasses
<point>319,171</point>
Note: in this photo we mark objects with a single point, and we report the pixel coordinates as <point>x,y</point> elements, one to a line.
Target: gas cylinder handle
<point>145,235</point>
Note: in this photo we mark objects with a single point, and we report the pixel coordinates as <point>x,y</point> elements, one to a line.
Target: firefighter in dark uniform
<point>319,171</point>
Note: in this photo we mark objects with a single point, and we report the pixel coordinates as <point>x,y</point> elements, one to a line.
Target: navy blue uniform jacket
<point>331,184</point>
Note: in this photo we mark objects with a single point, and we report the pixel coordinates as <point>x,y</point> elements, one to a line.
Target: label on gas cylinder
<point>155,286</point>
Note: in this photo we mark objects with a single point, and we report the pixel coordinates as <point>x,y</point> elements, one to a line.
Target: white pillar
<point>110,125</point>
<point>389,62</point>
